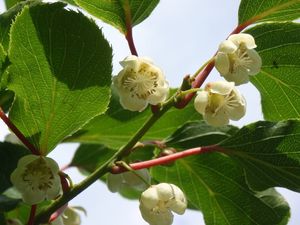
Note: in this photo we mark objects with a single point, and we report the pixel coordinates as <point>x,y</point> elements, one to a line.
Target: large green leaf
<point>270,10</point>
<point>118,125</point>
<point>60,73</point>
<point>215,184</point>
<point>279,80</point>
<point>269,153</point>
<point>9,157</point>
<point>2,62</point>
<point>197,134</point>
<point>118,13</point>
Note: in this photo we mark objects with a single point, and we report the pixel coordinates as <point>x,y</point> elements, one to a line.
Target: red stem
<point>130,41</point>
<point>166,159</point>
<point>18,133</point>
<point>32,215</point>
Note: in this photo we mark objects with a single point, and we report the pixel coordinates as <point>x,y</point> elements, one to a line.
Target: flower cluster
<point>37,179</point>
<point>159,201</point>
<point>219,102</point>
<point>136,180</point>
<point>140,83</point>
<point>236,58</point>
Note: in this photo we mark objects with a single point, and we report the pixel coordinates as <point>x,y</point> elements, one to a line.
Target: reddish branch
<point>18,133</point>
<point>32,215</point>
<point>167,159</point>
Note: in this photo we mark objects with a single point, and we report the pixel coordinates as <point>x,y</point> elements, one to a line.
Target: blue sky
<point>179,36</point>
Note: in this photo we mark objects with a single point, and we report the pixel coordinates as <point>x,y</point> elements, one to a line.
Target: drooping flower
<point>117,182</point>
<point>159,201</point>
<point>220,102</point>
<point>36,178</point>
<point>236,58</point>
<point>140,83</point>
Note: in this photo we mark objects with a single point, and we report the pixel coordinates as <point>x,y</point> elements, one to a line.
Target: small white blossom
<point>236,58</point>
<point>219,102</point>
<point>117,182</point>
<point>140,83</point>
<point>159,201</point>
<point>36,178</point>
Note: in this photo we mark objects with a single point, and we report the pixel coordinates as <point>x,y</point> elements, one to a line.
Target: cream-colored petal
<point>179,203</point>
<point>165,191</point>
<point>159,96</point>
<point>246,39</point>
<point>156,218</point>
<point>132,103</point>
<point>33,198</point>
<point>149,198</point>
<point>227,47</point>
<point>71,217</point>
<point>114,182</point>
<point>25,160</point>
<point>129,61</point>
<point>52,164</point>
<point>220,87</point>
<point>236,110</point>
<point>222,63</point>
<point>218,120</point>
<point>133,180</point>
<point>239,77</point>
<point>55,190</point>
<point>201,101</point>
<point>255,67</point>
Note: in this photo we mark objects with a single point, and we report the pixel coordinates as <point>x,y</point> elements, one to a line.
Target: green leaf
<point>8,204</point>
<point>60,73</point>
<point>269,153</point>
<point>6,99</point>
<point>118,125</point>
<point>9,157</point>
<point>11,3</point>
<point>7,18</point>
<point>271,10</point>
<point>2,62</point>
<point>121,13</point>
<point>89,156</point>
<point>215,184</point>
<point>279,79</point>
<point>198,133</point>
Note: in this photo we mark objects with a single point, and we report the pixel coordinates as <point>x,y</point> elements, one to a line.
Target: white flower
<point>236,58</point>
<point>140,83</point>
<point>36,178</point>
<point>71,216</point>
<point>159,201</point>
<point>219,102</point>
<point>117,182</point>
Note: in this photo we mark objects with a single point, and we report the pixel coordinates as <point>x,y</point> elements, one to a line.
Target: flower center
<point>216,102</point>
<point>240,59</point>
<point>38,175</point>
<point>142,83</point>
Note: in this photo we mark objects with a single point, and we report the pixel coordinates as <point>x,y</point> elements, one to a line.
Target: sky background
<point>179,36</point>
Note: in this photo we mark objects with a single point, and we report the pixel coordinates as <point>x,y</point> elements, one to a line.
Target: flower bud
<point>219,102</point>
<point>36,178</point>
<point>140,83</point>
<point>236,58</point>
<point>117,182</point>
<point>159,201</point>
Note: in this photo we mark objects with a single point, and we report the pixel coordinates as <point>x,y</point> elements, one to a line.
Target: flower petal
<point>218,120</point>
<point>159,96</point>
<point>149,198</point>
<point>156,217</point>
<point>220,87</point>
<point>255,67</point>
<point>132,103</point>
<point>227,47</point>
<point>246,39</point>
<point>201,101</point>
<point>222,63</point>
<point>240,76</point>
<point>178,204</point>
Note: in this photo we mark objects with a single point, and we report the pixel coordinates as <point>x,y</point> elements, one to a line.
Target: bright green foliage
<point>198,133</point>
<point>11,3</point>
<point>60,73</point>
<point>215,184</point>
<point>269,153</point>
<point>279,79</point>
<point>2,62</point>
<point>270,10</point>
<point>116,127</point>
<point>119,13</point>
<point>9,157</point>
